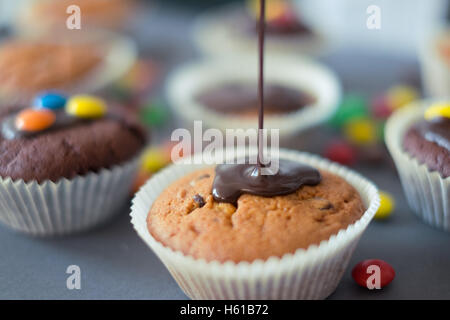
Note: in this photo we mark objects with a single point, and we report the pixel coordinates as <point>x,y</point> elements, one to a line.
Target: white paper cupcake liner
<point>67,206</point>
<point>190,80</point>
<point>313,273</point>
<point>428,194</point>
<point>215,36</point>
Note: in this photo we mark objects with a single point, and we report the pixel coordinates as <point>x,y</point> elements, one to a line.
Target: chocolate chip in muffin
<point>199,200</point>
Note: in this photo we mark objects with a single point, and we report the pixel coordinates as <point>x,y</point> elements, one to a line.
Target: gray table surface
<point>116,264</point>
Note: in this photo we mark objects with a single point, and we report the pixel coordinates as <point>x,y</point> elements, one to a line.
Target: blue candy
<point>50,100</point>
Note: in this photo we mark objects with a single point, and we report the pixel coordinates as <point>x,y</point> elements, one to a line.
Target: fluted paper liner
<point>313,273</point>
<point>67,206</point>
<point>428,194</point>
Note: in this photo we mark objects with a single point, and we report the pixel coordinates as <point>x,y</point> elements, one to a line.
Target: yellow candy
<point>274,8</point>
<point>361,131</point>
<point>85,106</point>
<point>387,205</point>
<point>399,96</point>
<point>154,160</point>
<point>438,110</point>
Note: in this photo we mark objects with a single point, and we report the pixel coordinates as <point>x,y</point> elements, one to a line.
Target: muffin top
<point>186,218</point>
<point>71,147</point>
<point>242,99</point>
<point>29,67</point>
<point>428,140</point>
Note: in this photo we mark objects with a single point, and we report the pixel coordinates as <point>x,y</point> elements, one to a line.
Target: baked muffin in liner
<point>186,83</point>
<point>313,273</point>
<point>116,53</point>
<point>68,205</point>
<point>427,192</point>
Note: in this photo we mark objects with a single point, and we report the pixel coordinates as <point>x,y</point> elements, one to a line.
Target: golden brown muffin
<point>186,218</point>
<point>29,67</point>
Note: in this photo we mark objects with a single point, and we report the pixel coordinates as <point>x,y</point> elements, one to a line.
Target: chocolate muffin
<point>28,66</point>
<point>70,148</point>
<point>429,142</point>
<point>186,218</point>
<point>242,99</point>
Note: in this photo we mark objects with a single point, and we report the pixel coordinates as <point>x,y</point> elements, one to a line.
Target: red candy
<point>341,152</point>
<point>381,107</point>
<point>373,274</point>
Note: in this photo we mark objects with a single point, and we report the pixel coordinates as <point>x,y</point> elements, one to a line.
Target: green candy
<point>154,114</point>
<point>352,106</point>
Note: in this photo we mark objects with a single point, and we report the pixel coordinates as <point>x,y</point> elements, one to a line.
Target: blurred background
<point>173,62</point>
<point>336,70</point>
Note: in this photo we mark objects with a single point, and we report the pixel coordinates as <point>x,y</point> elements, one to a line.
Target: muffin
<point>186,218</point>
<point>29,67</point>
<point>418,138</point>
<point>81,62</point>
<point>50,14</point>
<point>65,167</point>
<point>293,246</point>
<point>233,30</point>
<point>300,93</point>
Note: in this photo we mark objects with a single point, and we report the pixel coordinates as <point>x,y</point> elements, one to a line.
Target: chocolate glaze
<point>63,120</point>
<point>437,131</point>
<point>233,180</point>
<point>10,131</point>
<point>241,98</point>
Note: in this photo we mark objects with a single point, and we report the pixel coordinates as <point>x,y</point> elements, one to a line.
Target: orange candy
<point>35,119</point>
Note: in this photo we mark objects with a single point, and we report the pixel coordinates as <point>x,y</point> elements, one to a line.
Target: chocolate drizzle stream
<point>233,180</point>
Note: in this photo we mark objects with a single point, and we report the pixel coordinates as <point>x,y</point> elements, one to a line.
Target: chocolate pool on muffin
<point>242,99</point>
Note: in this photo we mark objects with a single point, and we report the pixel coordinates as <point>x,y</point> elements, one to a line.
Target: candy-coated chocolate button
<point>401,95</point>
<point>50,100</point>
<point>341,152</point>
<point>154,114</point>
<point>438,110</point>
<point>34,119</point>
<point>154,159</point>
<point>85,106</point>
<point>353,106</point>
<point>361,131</point>
<point>373,274</point>
<point>387,205</point>
<point>381,107</point>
